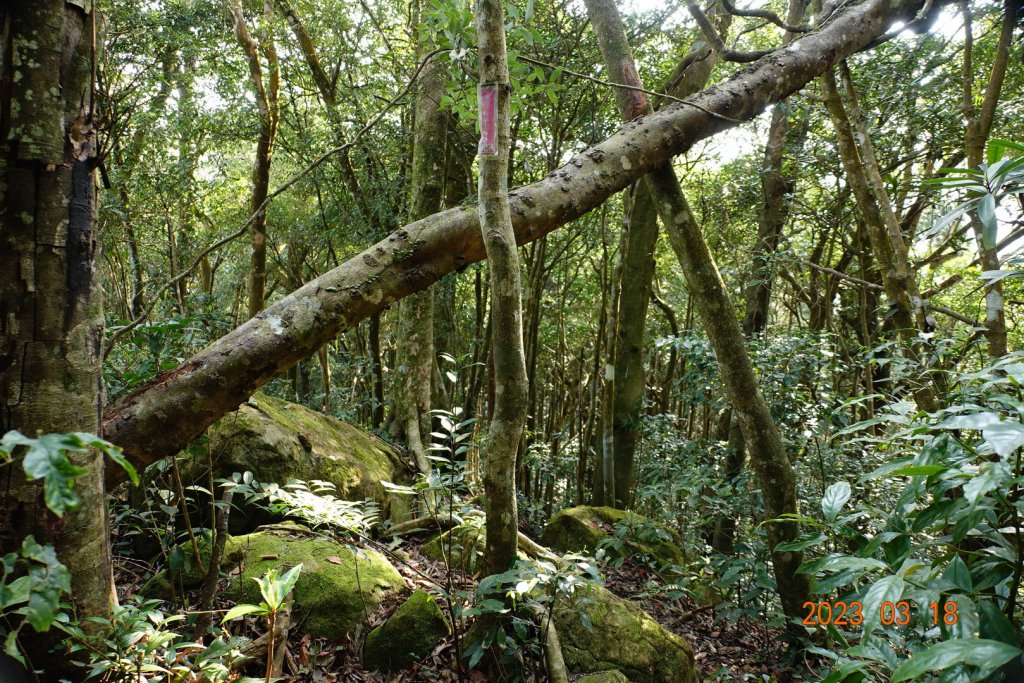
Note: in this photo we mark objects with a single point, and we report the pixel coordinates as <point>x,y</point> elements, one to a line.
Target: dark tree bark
<point>219,378</point>
<point>51,318</point>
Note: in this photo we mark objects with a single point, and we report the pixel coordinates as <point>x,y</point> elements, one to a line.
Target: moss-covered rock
<point>464,546</point>
<point>187,576</point>
<point>337,589</point>
<point>277,441</point>
<point>605,677</point>
<point>621,637</point>
<point>409,635</point>
<point>581,528</point>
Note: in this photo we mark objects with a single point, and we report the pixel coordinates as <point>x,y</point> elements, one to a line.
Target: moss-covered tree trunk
<point>415,350</point>
<point>640,235</point>
<point>51,319</point>
<point>767,451</point>
<point>499,238</point>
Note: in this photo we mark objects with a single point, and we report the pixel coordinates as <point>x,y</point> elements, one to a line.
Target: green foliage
<point>274,589</point>
<point>142,642</point>
<point>312,502</point>
<point>46,458</point>
<point>34,581</point>
<point>984,189</point>
<point>509,603</point>
<point>935,524</point>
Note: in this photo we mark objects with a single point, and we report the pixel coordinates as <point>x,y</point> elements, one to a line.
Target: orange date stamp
<point>889,613</point>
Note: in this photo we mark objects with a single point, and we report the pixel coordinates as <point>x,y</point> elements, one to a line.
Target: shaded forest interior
<point>511,340</point>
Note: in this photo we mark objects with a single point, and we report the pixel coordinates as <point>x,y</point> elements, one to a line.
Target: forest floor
<point>743,650</point>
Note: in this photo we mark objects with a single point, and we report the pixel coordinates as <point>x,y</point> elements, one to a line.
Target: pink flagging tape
<point>488,95</point>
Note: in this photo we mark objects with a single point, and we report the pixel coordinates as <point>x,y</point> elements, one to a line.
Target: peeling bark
<point>169,411</point>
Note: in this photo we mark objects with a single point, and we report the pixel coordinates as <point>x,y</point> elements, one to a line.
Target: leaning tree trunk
<point>640,228</point>
<point>767,451</point>
<point>415,351</point>
<point>220,377</point>
<point>499,240</point>
<point>883,230</point>
<point>777,186</point>
<point>51,319</point>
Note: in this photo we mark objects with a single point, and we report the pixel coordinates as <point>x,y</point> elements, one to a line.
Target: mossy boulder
<point>408,635</point>
<point>187,576</point>
<point>337,589</point>
<point>277,441</point>
<point>621,637</point>
<point>605,677</point>
<point>464,546</point>
<point>580,529</point>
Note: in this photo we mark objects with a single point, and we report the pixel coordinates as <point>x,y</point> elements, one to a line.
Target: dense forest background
<point>774,316</point>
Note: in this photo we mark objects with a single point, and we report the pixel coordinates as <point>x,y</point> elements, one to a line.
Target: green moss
<point>581,528</point>
<point>621,637</point>
<point>409,635</point>
<point>605,677</point>
<point>187,577</point>
<point>277,441</point>
<point>464,547</point>
<point>336,590</point>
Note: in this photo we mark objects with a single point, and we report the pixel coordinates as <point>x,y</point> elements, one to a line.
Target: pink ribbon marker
<point>488,95</point>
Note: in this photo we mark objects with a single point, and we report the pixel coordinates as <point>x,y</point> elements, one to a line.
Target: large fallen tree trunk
<point>168,412</point>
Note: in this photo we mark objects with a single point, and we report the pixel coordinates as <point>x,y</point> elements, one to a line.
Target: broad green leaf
<point>990,654</point>
<point>834,499</point>
<point>987,214</point>
<point>1005,437</point>
<point>242,610</point>
<point>968,421</point>
<point>919,471</point>
<point>958,574</point>
<point>802,543</point>
<point>991,475</point>
<point>993,276</point>
<point>886,589</point>
<point>886,469</point>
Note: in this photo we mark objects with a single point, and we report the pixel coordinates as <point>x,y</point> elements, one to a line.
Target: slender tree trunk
<point>499,239</point>
<point>51,318</point>
<point>268,105</point>
<point>887,243</point>
<point>415,351</point>
<point>979,127</point>
<point>640,234</point>
<point>777,185</point>
<point>767,451</point>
